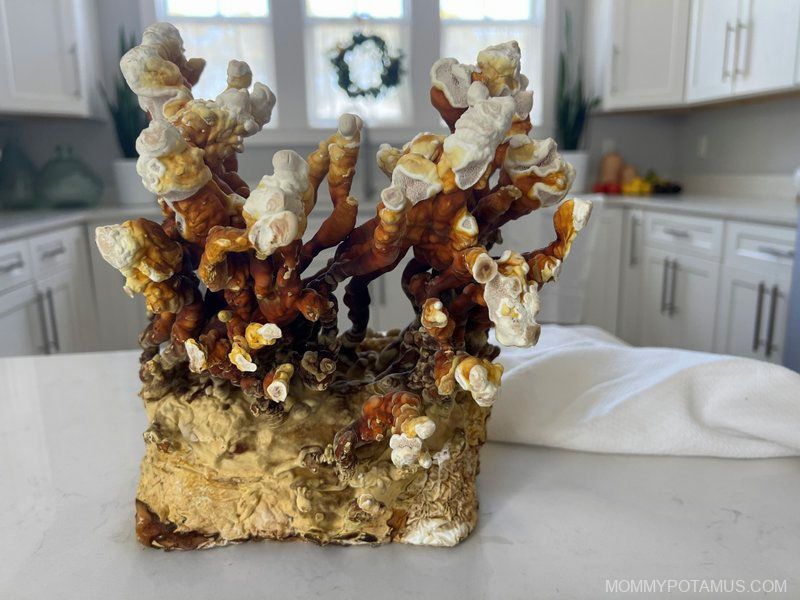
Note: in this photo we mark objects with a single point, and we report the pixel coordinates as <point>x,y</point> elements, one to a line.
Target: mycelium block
<point>266,421</point>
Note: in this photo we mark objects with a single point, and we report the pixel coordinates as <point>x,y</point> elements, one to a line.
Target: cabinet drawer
<point>758,246</point>
<point>692,235</point>
<point>15,264</point>
<point>55,250</point>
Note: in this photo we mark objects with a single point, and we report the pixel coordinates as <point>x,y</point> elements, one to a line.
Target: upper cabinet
<point>647,54</point>
<point>49,52</point>
<point>741,48</point>
<point>668,53</point>
<point>711,49</point>
<point>768,36</point>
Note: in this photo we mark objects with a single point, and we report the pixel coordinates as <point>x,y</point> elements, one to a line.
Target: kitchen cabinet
<point>48,62</point>
<point>61,272</point>
<point>752,316</point>
<point>756,280</point>
<point>768,36</point>
<point>61,300</point>
<point>679,300</point>
<point>647,54</point>
<point>712,39</point>
<point>22,322</point>
<point>741,48</point>
<point>629,311</point>
<point>46,299</point>
<point>603,238</point>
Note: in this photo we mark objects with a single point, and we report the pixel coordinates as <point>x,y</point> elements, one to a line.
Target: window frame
<point>424,30</point>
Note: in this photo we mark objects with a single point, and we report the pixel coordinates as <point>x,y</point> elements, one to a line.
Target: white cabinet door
<point>629,314</point>
<point>712,38</point>
<point>767,36</point>
<point>601,298</point>
<point>648,53</point>
<point>46,46</point>
<point>741,321</point>
<point>776,317</point>
<point>63,320</point>
<point>679,301</point>
<point>22,321</point>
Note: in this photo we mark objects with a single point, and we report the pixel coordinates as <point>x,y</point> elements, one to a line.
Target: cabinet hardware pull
<point>73,51</point>
<point>672,309</point>
<point>773,307</point>
<point>726,72</point>
<point>665,273</point>
<point>53,252</point>
<point>615,52</point>
<point>677,233</point>
<point>740,50</point>
<point>777,253</point>
<point>48,295</point>
<point>42,322</point>
<point>7,268</point>
<point>762,288</point>
<point>633,259</point>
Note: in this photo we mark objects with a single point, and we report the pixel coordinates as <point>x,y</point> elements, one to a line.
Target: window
<point>263,32</point>
<point>330,25</point>
<point>220,30</point>
<point>468,26</point>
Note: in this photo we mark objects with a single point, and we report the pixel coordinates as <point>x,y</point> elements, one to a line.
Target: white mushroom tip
<point>349,124</point>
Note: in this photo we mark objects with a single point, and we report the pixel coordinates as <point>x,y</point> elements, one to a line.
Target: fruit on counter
<point>637,187</point>
<point>610,167</point>
<point>607,188</point>
<point>661,185</point>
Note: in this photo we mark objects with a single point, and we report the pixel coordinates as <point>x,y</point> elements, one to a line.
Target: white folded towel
<point>584,389</point>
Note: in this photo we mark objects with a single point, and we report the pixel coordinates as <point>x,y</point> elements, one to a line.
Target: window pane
<point>244,8</point>
<point>345,9</point>
<point>463,41</point>
<point>326,100</point>
<point>220,42</point>
<point>191,8</point>
<point>211,8</point>
<point>502,10</point>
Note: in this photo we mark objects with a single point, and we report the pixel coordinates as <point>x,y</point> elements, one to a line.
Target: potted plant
<point>572,110</point>
<point>129,120</point>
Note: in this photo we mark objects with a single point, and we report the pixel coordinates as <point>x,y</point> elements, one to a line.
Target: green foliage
<point>391,67</point>
<point>129,118</point>
<point>572,108</point>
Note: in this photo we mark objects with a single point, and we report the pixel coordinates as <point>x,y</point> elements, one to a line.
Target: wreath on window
<point>391,68</point>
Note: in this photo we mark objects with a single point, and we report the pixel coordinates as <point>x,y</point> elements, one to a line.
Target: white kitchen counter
<point>16,224</point>
<point>553,522</point>
<point>772,211</point>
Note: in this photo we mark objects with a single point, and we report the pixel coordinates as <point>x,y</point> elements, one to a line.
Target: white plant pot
<point>128,183</point>
<point>579,160</point>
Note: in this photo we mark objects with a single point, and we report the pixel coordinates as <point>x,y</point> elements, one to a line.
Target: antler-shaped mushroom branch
<point>267,327</point>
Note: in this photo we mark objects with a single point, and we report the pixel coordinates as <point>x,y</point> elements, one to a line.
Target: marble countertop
<point>16,224</point>
<point>552,522</point>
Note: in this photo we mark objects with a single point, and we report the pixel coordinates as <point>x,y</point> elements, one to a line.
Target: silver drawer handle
<point>777,253</point>
<point>678,233</point>
<point>7,268</point>
<point>53,252</point>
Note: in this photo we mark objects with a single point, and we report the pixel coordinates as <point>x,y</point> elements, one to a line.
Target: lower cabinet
<point>629,309</point>
<point>23,322</point>
<point>46,295</point>
<point>61,308</point>
<point>679,301</point>
<point>752,314</point>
